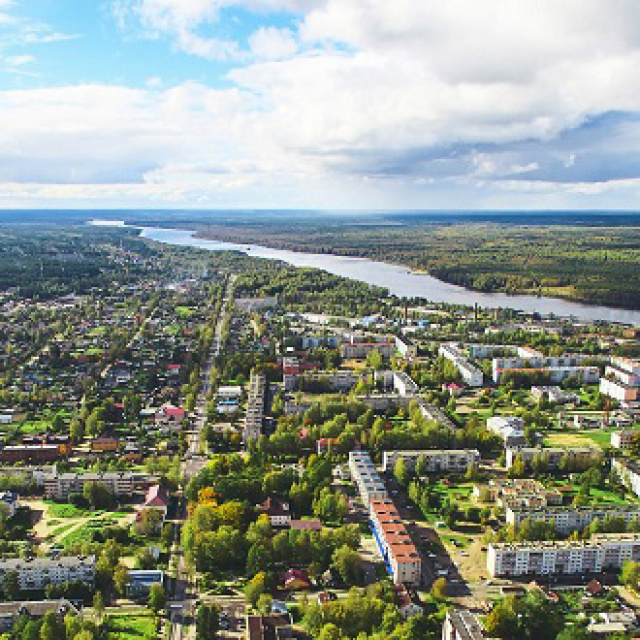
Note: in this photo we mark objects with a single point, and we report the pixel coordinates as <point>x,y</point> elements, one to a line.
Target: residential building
<point>365,475</point>
<point>518,493</point>
<point>105,443</point>
<point>141,581</point>
<point>621,381</point>
<point>629,471</point>
<point>278,510</point>
<point>403,384</point>
<point>31,453</point>
<point>10,501</point>
<point>461,624</point>
<point>509,428</point>
<point>471,374</point>
<point>436,460</point>
<point>394,543</point>
<point>408,601</point>
<point>360,350</point>
<point>571,518</point>
<point>576,458</point>
<point>602,552</point>
<point>255,407</point>
<point>555,394</point>
<point>11,611</point>
<point>59,486</point>
<point>406,348</point>
<point>623,439</point>
<point>37,573</point>
<point>555,369</point>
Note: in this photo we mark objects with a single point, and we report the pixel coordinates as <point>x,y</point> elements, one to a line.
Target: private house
<point>278,511</point>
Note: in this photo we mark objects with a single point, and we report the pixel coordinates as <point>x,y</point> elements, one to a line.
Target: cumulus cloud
<point>356,95</point>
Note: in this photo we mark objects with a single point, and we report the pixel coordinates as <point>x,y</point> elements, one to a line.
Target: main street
<point>183,602</point>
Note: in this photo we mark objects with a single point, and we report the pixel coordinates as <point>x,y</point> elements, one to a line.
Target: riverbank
<point>399,281</point>
<point>594,266</point>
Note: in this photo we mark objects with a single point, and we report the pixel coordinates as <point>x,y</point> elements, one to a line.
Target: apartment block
<point>365,475</point>
<point>519,493</point>
<point>469,372</point>
<point>396,548</point>
<point>623,439</point>
<point>509,428</point>
<point>621,381</point>
<point>556,369</point>
<point>553,457</point>
<point>395,545</point>
<point>37,573</point>
<point>255,406</point>
<point>569,519</point>
<point>359,350</point>
<point>453,460</point>
<point>629,471</point>
<point>59,486</point>
<point>602,552</point>
<point>404,384</point>
<point>406,348</point>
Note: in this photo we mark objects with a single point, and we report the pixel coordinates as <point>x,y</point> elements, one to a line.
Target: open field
<point>134,624</point>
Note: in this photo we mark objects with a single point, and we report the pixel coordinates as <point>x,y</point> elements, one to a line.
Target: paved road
<point>185,592</point>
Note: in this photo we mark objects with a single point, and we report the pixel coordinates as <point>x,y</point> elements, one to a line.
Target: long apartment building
<point>456,354</point>
<point>436,460</point>
<point>398,551</point>
<point>569,519</point>
<point>621,381</point>
<point>37,573</point>
<point>554,457</point>
<point>629,472</point>
<point>365,475</point>
<point>394,542</point>
<point>601,552</point>
<point>359,350</point>
<point>557,368</point>
<point>255,406</point>
<point>59,486</point>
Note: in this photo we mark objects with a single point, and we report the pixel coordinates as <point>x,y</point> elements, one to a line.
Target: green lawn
<point>69,511</point>
<point>134,624</point>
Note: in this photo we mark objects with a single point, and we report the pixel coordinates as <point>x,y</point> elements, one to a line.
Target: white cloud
<point>363,96</point>
<point>270,43</point>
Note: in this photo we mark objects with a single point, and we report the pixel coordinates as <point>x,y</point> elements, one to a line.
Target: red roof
<point>156,496</point>
<point>173,411</point>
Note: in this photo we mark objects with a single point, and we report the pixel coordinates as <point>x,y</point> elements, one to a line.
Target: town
<point>200,444</point>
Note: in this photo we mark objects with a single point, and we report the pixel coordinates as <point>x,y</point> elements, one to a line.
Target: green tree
<point>264,604</point>
<point>439,589</point>
<point>11,585</point>
<point>255,588</point>
<point>98,606</point>
<point>157,598</point>
<point>402,472</point>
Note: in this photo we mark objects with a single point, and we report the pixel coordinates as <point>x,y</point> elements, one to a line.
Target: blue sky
<point>337,104</point>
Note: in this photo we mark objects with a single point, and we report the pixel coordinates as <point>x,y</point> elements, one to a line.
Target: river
<point>399,280</point>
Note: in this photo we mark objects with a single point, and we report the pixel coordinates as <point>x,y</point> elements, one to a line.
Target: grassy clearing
<point>69,511</point>
<point>133,624</point>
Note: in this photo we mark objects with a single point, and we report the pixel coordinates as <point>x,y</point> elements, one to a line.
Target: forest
<point>593,264</point>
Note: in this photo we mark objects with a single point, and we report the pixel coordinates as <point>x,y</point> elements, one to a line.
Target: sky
<point>320,104</point>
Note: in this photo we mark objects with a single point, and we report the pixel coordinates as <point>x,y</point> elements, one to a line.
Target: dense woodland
<point>590,264</point>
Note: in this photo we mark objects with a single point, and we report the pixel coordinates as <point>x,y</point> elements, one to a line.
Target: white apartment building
<point>37,573</point>
<point>404,384</point>
<point>601,552</point>
<point>455,460</point>
<point>59,486</point>
<point>509,428</point>
<point>623,439</point>
<point>621,381</point>
<point>553,456</point>
<point>556,369</point>
<point>470,373</point>
<point>365,475</point>
<point>629,471</point>
<point>569,519</point>
<point>461,624</point>
<point>406,347</point>
<point>255,407</point>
